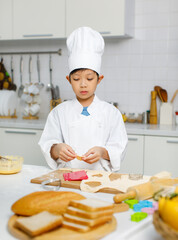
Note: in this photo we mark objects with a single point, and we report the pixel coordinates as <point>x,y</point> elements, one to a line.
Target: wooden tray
<point>71,184</point>
<point>64,233</point>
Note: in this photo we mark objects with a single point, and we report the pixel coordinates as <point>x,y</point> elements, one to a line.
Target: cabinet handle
<point>172,141</point>
<point>37,35</point>
<point>20,132</point>
<point>105,32</point>
<point>133,139</point>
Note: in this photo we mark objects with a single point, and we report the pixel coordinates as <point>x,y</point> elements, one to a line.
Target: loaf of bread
<point>51,201</point>
<point>38,223</point>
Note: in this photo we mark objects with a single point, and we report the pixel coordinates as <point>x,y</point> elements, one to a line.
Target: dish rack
<point>9,115</point>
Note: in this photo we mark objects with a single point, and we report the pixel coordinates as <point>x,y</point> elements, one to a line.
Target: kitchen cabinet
<point>38,19</point>
<point>5,19</point>
<point>110,18</point>
<point>161,154</point>
<point>133,161</point>
<point>23,142</point>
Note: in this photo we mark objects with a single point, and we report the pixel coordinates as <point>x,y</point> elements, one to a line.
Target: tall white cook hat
<point>85,49</point>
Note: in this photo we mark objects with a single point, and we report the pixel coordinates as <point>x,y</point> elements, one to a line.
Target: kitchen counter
<point>132,128</point>
<point>15,186</point>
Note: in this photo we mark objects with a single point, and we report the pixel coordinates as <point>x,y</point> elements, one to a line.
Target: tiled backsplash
<point>131,67</point>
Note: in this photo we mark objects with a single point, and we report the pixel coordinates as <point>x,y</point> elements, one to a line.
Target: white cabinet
<point>161,154</point>
<point>38,19</point>
<point>23,142</point>
<point>5,19</point>
<point>133,161</point>
<point>110,18</point>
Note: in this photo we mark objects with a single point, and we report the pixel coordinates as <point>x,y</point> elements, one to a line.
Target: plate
<point>2,93</point>
<point>6,97</point>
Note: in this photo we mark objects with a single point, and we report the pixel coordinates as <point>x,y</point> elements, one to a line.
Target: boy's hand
<point>94,154</point>
<point>62,151</point>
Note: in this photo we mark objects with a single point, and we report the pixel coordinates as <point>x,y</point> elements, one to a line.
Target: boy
<point>85,132</point>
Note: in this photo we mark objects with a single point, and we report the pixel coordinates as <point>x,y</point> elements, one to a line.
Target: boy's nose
<point>83,83</point>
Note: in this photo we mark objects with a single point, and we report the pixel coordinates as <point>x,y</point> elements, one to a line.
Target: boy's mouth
<point>84,92</point>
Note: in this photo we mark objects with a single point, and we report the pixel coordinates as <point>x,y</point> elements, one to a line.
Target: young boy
<point>85,132</point>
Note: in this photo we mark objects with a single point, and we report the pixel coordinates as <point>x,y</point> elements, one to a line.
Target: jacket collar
<point>91,108</point>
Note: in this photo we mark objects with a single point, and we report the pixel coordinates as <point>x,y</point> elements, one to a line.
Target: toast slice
<point>85,214</point>
<point>76,227</point>
<point>39,223</point>
<point>85,221</point>
<point>91,205</point>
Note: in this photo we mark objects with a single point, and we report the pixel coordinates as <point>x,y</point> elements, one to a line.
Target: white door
<point>161,154</point>
<point>22,142</point>
<point>39,19</point>
<point>107,17</point>
<point>5,19</point>
<point>133,161</point>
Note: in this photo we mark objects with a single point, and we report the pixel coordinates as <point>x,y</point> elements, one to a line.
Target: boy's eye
<point>89,79</point>
<point>75,79</point>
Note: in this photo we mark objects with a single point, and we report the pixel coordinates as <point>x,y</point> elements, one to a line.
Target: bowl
<point>13,165</point>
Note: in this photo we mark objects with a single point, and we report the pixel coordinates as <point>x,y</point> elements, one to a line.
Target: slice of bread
<point>91,204</point>
<point>76,227</point>
<point>39,223</point>
<point>85,214</point>
<point>85,221</point>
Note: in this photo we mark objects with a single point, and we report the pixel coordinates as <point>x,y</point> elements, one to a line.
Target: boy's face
<point>84,83</point>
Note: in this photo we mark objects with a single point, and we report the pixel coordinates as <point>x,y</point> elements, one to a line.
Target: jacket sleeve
<point>51,135</point>
<point>116,143</point>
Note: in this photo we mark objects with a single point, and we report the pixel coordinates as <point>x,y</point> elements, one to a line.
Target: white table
<point>15,186</point>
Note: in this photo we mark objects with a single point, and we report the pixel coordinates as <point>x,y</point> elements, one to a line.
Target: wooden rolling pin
<point>146,190</point>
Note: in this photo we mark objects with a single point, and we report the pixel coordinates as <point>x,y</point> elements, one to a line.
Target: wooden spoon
<point>163,93</point>
<point>176,92</point>
<point>158,89</point>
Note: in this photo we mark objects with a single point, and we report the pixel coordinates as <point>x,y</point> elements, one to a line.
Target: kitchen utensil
<point>40,84</point>
<point>166,113</point>
<point>30,69</point>
<point>50,86</point>
<point>157,89</point>
<point>153,108</point>
<point>21,88</point>
<point>163,93</point>
<point>12,86</point>
<point>176,92</point>
<point>145,190</point>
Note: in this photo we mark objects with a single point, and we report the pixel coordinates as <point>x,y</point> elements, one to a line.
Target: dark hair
<point>82,69</point>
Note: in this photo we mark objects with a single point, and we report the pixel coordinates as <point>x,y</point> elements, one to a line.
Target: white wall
<point>132,67</point>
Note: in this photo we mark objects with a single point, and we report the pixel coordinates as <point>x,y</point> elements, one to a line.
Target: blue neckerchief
<point>85,112</point>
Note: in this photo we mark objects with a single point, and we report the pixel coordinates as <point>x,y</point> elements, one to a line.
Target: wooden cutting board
<point>64,233</point>
<point>72,184</point>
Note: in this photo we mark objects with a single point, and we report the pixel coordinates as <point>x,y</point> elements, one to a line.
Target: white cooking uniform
<point>103,127</point>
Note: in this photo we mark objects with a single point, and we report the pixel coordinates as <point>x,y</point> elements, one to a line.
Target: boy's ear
<point>67,77</point>
<point>100,78</point>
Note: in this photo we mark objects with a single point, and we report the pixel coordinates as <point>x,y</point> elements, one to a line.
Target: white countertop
<point>132,128</point>
<point>15,186</point>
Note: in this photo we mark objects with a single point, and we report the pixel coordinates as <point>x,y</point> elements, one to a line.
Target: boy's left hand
<point>93,155</point>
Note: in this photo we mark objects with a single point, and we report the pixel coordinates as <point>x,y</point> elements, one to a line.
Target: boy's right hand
<point>62,151</point>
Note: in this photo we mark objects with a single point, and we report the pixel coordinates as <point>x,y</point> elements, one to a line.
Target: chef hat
<point>85,49</point>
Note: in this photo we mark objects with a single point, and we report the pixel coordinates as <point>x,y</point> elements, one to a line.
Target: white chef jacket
<point>103,127</point>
